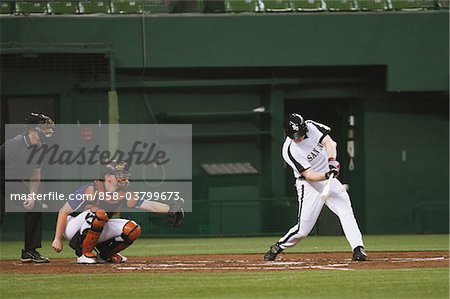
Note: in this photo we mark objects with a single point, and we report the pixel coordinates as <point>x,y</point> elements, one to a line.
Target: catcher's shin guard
<point>97,218</point>
<point>131,231</point>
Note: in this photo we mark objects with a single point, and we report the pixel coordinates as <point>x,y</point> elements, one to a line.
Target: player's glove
<point>329,173</point>
<point>334,167</point>
<point>176,213</point>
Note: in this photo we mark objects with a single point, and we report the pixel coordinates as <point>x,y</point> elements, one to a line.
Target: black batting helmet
<point>41,123</point>
<point>294,126</point>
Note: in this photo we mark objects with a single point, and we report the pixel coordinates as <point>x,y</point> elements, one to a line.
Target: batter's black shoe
<point>359,254</point>
<point>33,256</point>
<point>272,253</point>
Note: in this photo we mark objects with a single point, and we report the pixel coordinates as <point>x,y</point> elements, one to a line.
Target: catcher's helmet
<point>121,170</point>
<point>41,123</point>
<point>294,126</point>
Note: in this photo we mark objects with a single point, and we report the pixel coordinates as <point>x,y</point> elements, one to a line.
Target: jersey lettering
<point>315,152</point>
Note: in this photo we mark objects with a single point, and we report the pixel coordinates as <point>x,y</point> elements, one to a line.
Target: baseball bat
<point>326,189</point>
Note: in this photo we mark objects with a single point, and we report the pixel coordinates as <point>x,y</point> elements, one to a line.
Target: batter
<point>311,153</point>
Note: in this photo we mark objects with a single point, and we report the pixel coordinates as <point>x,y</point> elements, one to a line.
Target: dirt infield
<point>242,262</point>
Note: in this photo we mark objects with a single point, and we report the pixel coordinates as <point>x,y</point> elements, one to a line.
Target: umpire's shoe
<point>359,254</point>
<point>33,256</point>
<point>272,253</point>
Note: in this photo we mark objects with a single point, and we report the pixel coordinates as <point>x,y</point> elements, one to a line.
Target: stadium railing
<point>86,7</point>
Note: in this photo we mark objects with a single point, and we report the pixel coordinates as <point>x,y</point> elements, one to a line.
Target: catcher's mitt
<point>176,213</point>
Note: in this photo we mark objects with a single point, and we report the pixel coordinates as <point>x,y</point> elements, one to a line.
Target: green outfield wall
<point>388,72</point>
<point>414,45</point>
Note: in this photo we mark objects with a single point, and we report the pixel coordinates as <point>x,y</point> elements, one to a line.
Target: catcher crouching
<point>95,236</point>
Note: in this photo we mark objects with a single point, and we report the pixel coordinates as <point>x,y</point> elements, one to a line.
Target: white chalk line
<point>232,268</point>
<point>218,265</point>
<point>245,266</point>
<point>330,268</point>
<point>425,259</point>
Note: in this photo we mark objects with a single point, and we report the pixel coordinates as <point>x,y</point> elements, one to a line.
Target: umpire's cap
<point>41,123</point>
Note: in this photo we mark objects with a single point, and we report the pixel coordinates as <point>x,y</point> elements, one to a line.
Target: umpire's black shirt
<point>14,154</point>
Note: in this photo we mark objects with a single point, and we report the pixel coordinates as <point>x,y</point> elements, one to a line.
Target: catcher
<point>88,226</point>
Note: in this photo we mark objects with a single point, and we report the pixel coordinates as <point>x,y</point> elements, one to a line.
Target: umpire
<point>13,154</point>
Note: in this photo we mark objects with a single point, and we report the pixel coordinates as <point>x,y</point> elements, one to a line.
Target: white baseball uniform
<point>310,153</point>
<point>112,229</point>
<point>81,219</point>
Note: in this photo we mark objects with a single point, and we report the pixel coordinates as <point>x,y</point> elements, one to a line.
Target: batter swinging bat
<point>326,189</point>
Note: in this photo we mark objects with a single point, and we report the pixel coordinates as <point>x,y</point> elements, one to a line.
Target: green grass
<point>418,283</point>
<point>147,247</point>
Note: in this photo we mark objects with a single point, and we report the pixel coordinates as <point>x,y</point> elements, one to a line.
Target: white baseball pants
<point>113,228</point>
<point>310,205</point>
